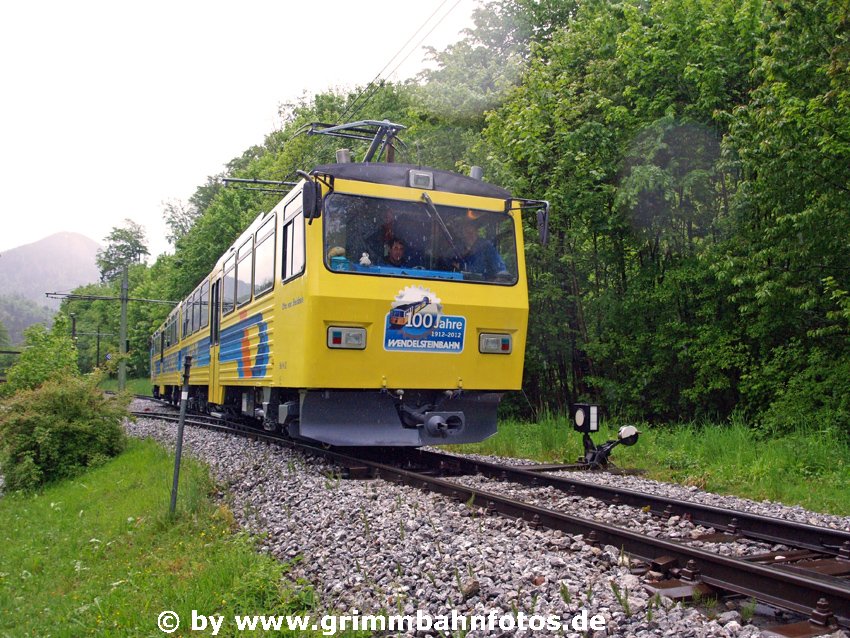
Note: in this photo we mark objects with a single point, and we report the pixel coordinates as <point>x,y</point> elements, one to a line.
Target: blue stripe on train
<point>200,351</point>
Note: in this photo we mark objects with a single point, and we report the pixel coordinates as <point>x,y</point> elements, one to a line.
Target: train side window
<point>228,294</point>
<point>298,245</point>
<point>205,304</point>
<point>264,258</point>
<point>292,254</point>
<point>243,273</point>
<point>184,311</point>
<point>196,314</point>
<point>196,311</point>
<point>285,252</point>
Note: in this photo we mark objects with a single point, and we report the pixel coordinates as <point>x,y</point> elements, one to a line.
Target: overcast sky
<point>111,108</point>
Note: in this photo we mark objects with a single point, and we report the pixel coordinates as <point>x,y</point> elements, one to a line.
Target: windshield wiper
<point>429,206</point>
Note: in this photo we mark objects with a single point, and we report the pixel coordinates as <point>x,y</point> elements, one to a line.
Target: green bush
<point>815,397</point>
<point>57,430</point>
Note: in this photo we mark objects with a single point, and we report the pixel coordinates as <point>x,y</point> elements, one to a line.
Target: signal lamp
<point>585,417</point>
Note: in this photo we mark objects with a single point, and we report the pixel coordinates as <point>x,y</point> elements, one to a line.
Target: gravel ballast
<point>374,546</point>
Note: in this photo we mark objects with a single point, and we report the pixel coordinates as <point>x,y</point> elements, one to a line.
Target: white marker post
<point>184,399</point>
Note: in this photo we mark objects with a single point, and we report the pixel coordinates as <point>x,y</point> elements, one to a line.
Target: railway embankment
<point>374,547</point>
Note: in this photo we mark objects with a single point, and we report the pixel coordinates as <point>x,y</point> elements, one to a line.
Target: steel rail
<point>754,526</point>
<point>774,585</point>
<point>785,589</point>
<point>788,590</point>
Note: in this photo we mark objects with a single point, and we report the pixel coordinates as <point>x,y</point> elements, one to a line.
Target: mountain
<point>58,263</point>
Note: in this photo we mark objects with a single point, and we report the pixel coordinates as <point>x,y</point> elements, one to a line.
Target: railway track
<point>809,580</point>
<point>731,524</point>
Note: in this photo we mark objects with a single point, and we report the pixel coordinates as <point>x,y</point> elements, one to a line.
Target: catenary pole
<point>184,399</point>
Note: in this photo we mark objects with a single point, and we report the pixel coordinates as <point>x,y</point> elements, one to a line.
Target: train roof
<point>398,175</point>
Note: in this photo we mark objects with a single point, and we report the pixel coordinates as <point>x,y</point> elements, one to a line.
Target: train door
<point>216,389</point>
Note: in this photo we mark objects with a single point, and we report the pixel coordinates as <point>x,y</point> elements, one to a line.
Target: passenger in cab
<point>478,255</point>
<point>395,254</point>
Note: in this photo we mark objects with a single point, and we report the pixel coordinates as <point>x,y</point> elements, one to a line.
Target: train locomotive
<point>305,326</point>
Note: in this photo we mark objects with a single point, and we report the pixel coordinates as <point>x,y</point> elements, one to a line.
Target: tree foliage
<point>179,217</point>
<point>125,245</point>
<point>47,354</point>
<point>57,430</point>
<point>696,156</point>
<point>5,359</point>
<point>17,313</point>
<point>98,321</point>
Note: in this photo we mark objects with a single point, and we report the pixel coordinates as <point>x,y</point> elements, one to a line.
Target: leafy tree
<point>46,355</point>
<point>179,217</point>
<point>204,194</point>
<point>93,317</point>
<point>124,246</point>
<point>142,317</point>
<point>103,316</point>
<point>618,122</point>
<point>17,313</point>
<point>790,265</point>
<point>5,359</point>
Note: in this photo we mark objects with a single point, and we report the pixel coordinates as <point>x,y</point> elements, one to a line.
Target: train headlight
<point>495,343</point>
<point>345,338</point>
<point>586,417</point>
<point>421,179</point>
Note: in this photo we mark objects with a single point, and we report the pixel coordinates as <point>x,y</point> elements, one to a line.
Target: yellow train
<point>313,324</point>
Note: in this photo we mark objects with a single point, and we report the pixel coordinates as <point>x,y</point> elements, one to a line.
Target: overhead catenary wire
<point>355,106</point>
<point>373,86</point>
<point>404,59</point>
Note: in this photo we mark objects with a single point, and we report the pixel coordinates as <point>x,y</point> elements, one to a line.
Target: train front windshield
<point>384,237</point>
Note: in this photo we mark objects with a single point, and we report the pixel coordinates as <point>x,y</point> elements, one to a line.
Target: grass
<point>134,386</point>
<point>809,468</point>
<point>99,555</point>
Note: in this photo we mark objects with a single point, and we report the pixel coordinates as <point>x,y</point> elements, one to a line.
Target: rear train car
<point>305,324</point>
